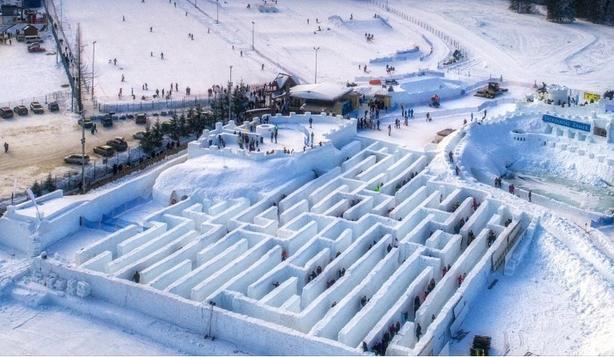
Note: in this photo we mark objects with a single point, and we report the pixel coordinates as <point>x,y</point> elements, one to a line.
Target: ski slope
<point>284,42</point>
<point>523,47</point>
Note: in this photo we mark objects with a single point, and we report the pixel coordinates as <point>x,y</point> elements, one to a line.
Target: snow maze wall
<point>321,266</point>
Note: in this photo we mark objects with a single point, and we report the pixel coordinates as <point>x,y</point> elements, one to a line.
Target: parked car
<point>77,159</point>
<point>35,47</point>
<point>87,123</point>
<point>53,107</point>
<point>139,135</point>
<point>119,144</point>
<point>107,121</point>
<point>6,112</point>
<point>21,110</point>
<point>104,150</point>
<point>141,118</point>
<point>37,108</point>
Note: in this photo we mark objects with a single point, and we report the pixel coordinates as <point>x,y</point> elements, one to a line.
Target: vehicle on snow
<point>6,112</point>
<point>118,143</point>
<point>21,110</point>
<point>104,150</point>
<point>36,108</point>
<point>77,159</point>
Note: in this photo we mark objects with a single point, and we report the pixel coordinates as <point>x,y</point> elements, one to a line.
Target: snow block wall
<point>358,257</point>
<point>259,129</point>
<point>22,229</point>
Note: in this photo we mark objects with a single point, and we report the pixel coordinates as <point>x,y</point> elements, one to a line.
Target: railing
<point>511,239</point>
<point>59,96</point>
<point>450,41</point>
<point>101,172</point>
<point>152,105</point>
<point>61,39</point>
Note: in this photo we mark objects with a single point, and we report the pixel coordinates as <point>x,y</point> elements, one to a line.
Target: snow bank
<point>518,141</point>
<point>225,175</point>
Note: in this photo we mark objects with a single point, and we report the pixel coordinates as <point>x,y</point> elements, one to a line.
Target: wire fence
<point>59,96</point>
<point>454,44</point>
<point>63,44</point>
<point>103,171</point>
<point>152,105</point>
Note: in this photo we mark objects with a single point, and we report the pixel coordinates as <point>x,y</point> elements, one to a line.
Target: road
<point>38,144</point>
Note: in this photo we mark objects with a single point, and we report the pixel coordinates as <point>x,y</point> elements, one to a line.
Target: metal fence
<point>103,171</point>
<point>152,105</point>
<point>449,40</point>
<point>63,44</point>
<point>59,96</point>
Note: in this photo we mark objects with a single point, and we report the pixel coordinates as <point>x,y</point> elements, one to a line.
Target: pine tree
<point>36,189</point>
<point>561,11</point>
<point>521,6</point>
<point>592,10</point>
<point>219,105</point>
<point>240,101</point>
<point>609,12</point>
<point>152,138</point>
<point>48,185</point>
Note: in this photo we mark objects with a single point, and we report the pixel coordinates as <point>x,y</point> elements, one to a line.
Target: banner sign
<point>591,97</point>
<point>566,122</point>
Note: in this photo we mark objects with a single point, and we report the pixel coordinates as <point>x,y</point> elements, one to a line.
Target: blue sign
<point>566,122</point>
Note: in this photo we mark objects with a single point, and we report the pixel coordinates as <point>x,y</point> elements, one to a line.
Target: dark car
<point>104,150</point>
<point>37,108</point>
<point>141,118</point>
<point>21,110</point>
<point>6,112</point>
<point>77,159</point>
<point>119,144</point>
<point>87,123</point>
<point>53,107</point>
<point>107,121</point>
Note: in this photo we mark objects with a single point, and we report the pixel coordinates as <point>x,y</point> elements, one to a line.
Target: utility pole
<point>217,11</point>
<point>229,93</point>
<point>253,47</point>
<point>93,57</point>
<point>316,49</point>
<point>80,104</point>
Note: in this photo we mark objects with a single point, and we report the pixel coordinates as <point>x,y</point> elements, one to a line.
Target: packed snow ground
<point>43,330</point>
<point>26,75</point>
<point>555,304</point>
<point>284,42</point>
<point>554,286</point>
<point>522,47</point>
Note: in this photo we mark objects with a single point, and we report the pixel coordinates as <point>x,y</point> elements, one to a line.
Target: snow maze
<point>337,262</point>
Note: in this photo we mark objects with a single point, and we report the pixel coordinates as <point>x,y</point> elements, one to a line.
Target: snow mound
<point>218,177</point>
<point>491,149</point>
